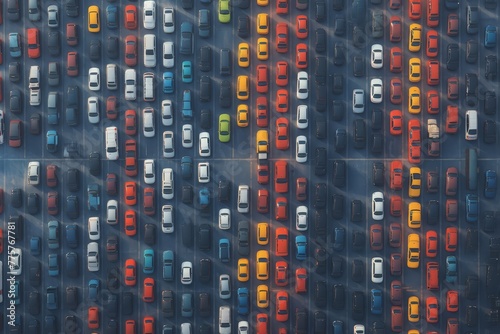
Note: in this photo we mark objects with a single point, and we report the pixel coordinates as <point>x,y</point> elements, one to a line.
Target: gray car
<point>187,41</point>
<point>187,305</point>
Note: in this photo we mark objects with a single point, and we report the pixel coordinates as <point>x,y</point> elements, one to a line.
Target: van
<point>433,72</point>
<point>432,13</point>
<point>224,320</point>
<point>148,86</point>
<point>432,276</point>
<point>243,198</point>
<point>472,19</point>
<point>149,50</point>
<point>225,62</point>
<point>112,77</point>
<point>33,10</point>
<point>471,125</point>
<point>34,78</point>
<point>112,143</point>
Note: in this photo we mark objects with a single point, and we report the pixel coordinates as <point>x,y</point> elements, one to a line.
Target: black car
<point>224,192</point>
<point>72,207</point>
<point>35,123</point>
<point>112,249</point>
<point>358,240</point>
<point>433,212</point>
<point>489,131</point>
<point>205,270</point>
<point>206,119</point>
<point>339,56</point>
<point>319,322</point>
<point>204,304</point>
<point>358,66</point>
<point>359,133</point>
<point>490,68</point>
<point>320,294</point>
<point>204,237</point>
<point>471,315</point>
<point>320,43</point>
<point>112,47</point>
<point>358,37</point>
<point>452,57</point>
<point>378,327</point>
<point>339,173</point>
<point>95,163</point>
<point>339,238</point>
<point>127,303</point>
<point>170,329</point>
<point>356,210</point>
<point>187,194</point>
<point>321,98</point>
<point>225,94</point>
<point>338,83</point>
<point>243,238</point>
<point>471,287</point>
<point>338,296</point>
<point>113,279</point>
<point>340,140</point>
<point>320,195</point>
<point>489,221</point>
<point>72,8</point>
<point>320,220</point>
<point>110,304</point>
<point>205,60</point>
<point>320,260</point>
<point>33,203</point>
<point>377,119</point>
<point>358,305</point>
<point>243,26</point>
<point>149,234</point>
<point>320,122</point>
<point>15,101</point>
<point>71,267</point>
<point>377,143</point>
<point>94,50</point>
<point>471,51</point>
<point>71,299</point>
<point>50,324</point>
<point>112,327</point>
<point>34,273</point>
<point>378,174</point>
<point>187,4</point>
<point>14,71</point>
<point>320,72</point>
<point>13,10</point>
<point>34,303</point>
<point>471,237</point>
<point>490,102</point>
<point>72,105</point>
<point>338,204</point>
<point>340,25</point>
<point>16,197</point>
<point>337,266</point>
<point>187,234</point>
<point>471,89</point>
<point>320,161</point>
<point>301,320</point>
<point>167,303</point>
<point>73,179</point>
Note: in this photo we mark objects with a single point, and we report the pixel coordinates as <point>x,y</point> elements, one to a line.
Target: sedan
<point>131,50</point>
<point>301,28</point>
<point>377,56</point>
<point>302,85</point>
<point>396,122</point>
<point>301,56</point>
<point>376,90</point>
<point>377,206</point>
<point>149,14</point>
<point>94,79</point>
<point>301,149</point>
<point>282,133</point>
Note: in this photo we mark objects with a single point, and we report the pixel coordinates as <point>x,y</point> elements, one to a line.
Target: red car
<point>130,223</point>
<point>148,325</point>
<point>93,317</point>
<point>396,175</point>
<point>396,60</point>
<point>262,79</point>
<point>301,28</point>
<point>451,119</point>
<point>301,56</point>
<point>414,141</point>
<point>1,201</point>
<point>301,189</point>
<point>396,122</point>
<point>130,278</point>
<point>281,176</point>
<point>281,241</point>
<point>432,308</point>
<point>148,295</point>
<point>72,34</point>
<point>281,6</point>
<point>131,17</point>
<point>376,237</point>
<point>281,306</point>
<point>282,135</point>
<point>130,157</point>
<point>396,91</point>
<point>282,100</point>
<point>452,88</point>
<point>111,184</point>
<point>262,114</point>
<point>33,36</point>
<point>282,73</point>
<point>395,233</point>
<point>282,38</point>
<point>51,176</point>
<point>130,193</point>
<point>281,273</point>
<point>262,323</point>
<point>149,201</point>
<point>131,50</point>
<point>431,243</point>
<point>432,43</point>
<point>263,172</point>
<point>111,107</point>
<point>15,133</point>
<point>281,209</point>
<point>414,9</point>
<point>396,204</point>
<point>452,301</point>
<point>432,102</point>
<point>53,203</point>
<point>130,122</point>
<point>263,201</point>
<point>300,280</point>
<point>72,64</point>
<point>395,29</point>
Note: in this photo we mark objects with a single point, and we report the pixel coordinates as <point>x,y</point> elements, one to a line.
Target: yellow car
<point>414,214</point>
<point>224,11</point>
<point>414,105</point>
<point>262,229</point>
<point>243,87</point>
<point>242,116</point>
<point>243,55</point>
<point>243,270</point>
<point>414,70</point>
<point>413,309</point>
<point>262,2</point>
<point>262,265</point>
<point>93,19</point>
<point>262,49</point>
<point>262,24</point>
<point>262,145</point>
<point>413,250</point>
<point>263,296</point>
<point>413,331</point>
<point>415,182</point>
<point>415,41</point>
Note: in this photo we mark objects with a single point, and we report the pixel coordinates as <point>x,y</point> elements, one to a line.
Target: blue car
<point>451,269</point>
<point>15,45</point>
<point>112,17</point>
<point>168,265</point>
<point>35,246</point>
<point>243,301</point>
<point>224,250</point>
<point>187,72</point>
<point>52,141</point>
<point>94,285</point>
<point>187,167</point>
<point>72,235</point>
<point>471,208</point>
<point>376,304</point>
<point>490,36</point>
<point>490,183</point>
<point>301,246</point>
<point>187,110</point>
<point>53,264</point>
<point>148,265</point>
<point>168,82</point>
<point>52,298</point>
<point>204,197</point>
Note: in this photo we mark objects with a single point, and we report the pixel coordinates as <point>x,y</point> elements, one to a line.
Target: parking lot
<point>339,250</point>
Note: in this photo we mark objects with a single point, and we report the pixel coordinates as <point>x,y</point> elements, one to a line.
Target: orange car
<point>414,9</point>
<point>281,306</point>
<point>451,239</point>
<point>282,100</point>
<point>149,201</point>
<point>263,201</point>
<point>432,44</point>
<point>301,28</point>
<point>262,79</point>
<point>301,56</point>
<point>282,38</point>
<point>451,119</point>
<point>414,141</point>
<point>452,301</point>
<point>301,189</point>
<point>262,114</point>
<point>148,294</point>
<point>131,17</point>
<point>263,172</point>
<point>396,122</point>
<point>281,176</point>
<point>281,273</point>
<point>130,223</point>
<point>431,243</point>
<point>432,102</point>
<point>33,35</point>
<point>396,176</point>
<point>300,280</point>
<point>262,323</point>
<point>281,241</point>
<point>395,205</point>
<point>282,73</point>
<point>396,91</point>
<point>282,136</point>
<point>130,157</point>
<point>93,317</point>
<point>130,272</point>
<point>281,6</point>
<point>281,209</point>
<point>130,122</point>
<point>131,50</point>
<point>148,325</point>
<point>432,307</point>
<point>130,193</point>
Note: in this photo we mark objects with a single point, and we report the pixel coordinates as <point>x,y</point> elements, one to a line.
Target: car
<point>471,208</point>
<point>414,141</point>
<point>282,308</point>
<point>396,122</point>
<point>452,301</point>
<point>376,90</point>
<point>415,182</point>
<point>243,55</point>
<point>490,183</point>
<point>415,38</point>
<point>414,9</point>
<point>187,39</point>
<point>376,237</point>
<point>93,108</point>
<point>377,206</point>
<point>301,55</point>
<point>282,133</point>
<point>432,44</point>
<point>431,243</point>
<point>451,269</point>
<point>302,85</point>
<point>243,26</point>
<point>414,70</point>
<point>452,29</point>
<point>377,56</point>
<point>224,286</point>
<point>490,36</point>
<point>94,24</point>
<point>301,247</point>
<point>413,259</point>
<point>395,29</point>
<point>452,59</point>
<point>52,141</point>
<point>224,128</point>
<point>282,38</point>
<point>204,144</point>
<point>262,48</point>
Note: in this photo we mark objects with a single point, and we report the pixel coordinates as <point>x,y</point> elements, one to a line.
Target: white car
<point>94,79</point>
<point>93,256</point>
<point>301,149</point>
<point>149,14</point>
<point>93,110</point>
<point>377,205</point>
<point>130,85</point>
<point>243,327</point>
<point>168,144</point>
<point>301,218</point>
<point>187,136</point>
<point>149,171</point>
<point>376,90</point>
<point>167,219</point>
<point>224,219</point>
<point>2,126</point>
<point>377,270</point>
<point>224,286</point>
<point>377,57</point>
<point>168,20</point>
<point>148,122</point>
<point>94,228</point>
<point>302,85</point>
<point>168,54</point>
<point>167,112</point>
<point>359,329</point>
<point>112,212</point>
<point>204,144</point>
<point>187,272</point>
<point>358,101</point>
<point>302,120</point>
<point>204,172</point>
<point>111,137</point>
<point>15,260</point>
<point>167,183</point>
<point>35,98</point>
<point>34,173</point>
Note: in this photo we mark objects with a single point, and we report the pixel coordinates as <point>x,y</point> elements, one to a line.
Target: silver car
<point>168,20</point>
<point>93,256</point>
<point>167,220</point>
<point>168,144</point>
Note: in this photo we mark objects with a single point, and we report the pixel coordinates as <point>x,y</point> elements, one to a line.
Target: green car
<point>224,128</point>
<point>224,11</point>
